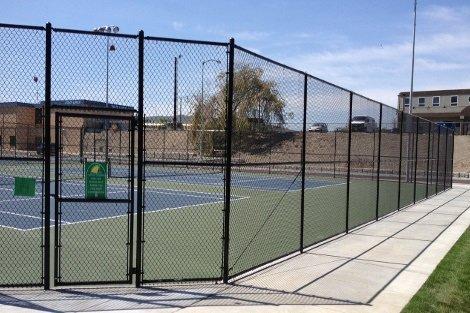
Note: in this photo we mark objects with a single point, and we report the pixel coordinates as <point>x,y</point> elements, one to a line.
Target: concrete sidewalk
<point>376,268</point>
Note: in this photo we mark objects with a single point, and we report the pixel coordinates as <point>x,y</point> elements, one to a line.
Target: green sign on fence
<point>96,180</point>
<point>25,187</point>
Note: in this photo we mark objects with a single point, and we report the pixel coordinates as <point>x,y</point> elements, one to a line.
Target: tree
<point>258,109</point>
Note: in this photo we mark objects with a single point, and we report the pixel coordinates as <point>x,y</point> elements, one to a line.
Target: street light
<point>175,90</point>
<point>107,29</point>
<point>202,101</point>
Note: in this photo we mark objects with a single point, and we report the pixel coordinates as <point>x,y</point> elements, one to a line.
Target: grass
<point>448,287</point>
<point>187,243</point>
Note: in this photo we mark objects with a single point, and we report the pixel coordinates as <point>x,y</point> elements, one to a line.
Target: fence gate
<point>94,198</point>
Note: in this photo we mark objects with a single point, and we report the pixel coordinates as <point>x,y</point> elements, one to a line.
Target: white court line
<point>22,199</point>
<point>320,187</point>
<point>23,215</point>
<point>20,229</point>
<point>156,190</point>
<point>186,195</point>
<point>154,211</point>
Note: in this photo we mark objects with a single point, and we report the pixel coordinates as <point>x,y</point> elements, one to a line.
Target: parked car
<point>364,124</point>
<point>318,128</point>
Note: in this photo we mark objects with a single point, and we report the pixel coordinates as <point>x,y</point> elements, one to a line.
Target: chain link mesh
<point>22,89</point>
<point>362,160</point>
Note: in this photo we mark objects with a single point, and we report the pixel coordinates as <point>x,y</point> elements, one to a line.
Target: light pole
<point>202,103</point>
<point>107,29</point>
<point>410,147</point>
<point>175,91</point>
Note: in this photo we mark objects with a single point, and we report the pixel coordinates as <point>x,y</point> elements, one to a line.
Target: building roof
<point>15,104</point>
<point>72,104</point>
<point>428,93</point>
<point>80,103</point>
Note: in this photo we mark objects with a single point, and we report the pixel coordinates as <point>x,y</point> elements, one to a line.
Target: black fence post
<point>445,159</point>
<point>378,164</point>
<point>303,160</point>
<point>427,160</point>
<point>228,159</point>
<point>438,156</point>
<point>334,157</point>
<point>140,160</point>
<point>416,158</point>
<point>452,160</point>
<point>47,158</point>
<point>349,158</point>
<point>402,116</point>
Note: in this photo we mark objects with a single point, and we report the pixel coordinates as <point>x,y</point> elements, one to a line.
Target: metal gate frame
<point>58,199</point>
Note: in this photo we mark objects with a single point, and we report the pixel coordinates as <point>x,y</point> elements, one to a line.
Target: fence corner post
<point>378,164</point>
<point>351,95</point>
<point>140,159</point>
<point>302,165</point>
<point>415,159</point>
<point>402,116</point>
<point>228,159</point>
<point>47,158</point>
<point>427,159</point>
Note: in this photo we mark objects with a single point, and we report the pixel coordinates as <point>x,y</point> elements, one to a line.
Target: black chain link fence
<point>218,160</point>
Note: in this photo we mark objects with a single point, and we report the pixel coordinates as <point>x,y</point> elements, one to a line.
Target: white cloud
<point>442,13</point>
<point>177,25</point>
<point>250,35</point>
<point>381,71</point>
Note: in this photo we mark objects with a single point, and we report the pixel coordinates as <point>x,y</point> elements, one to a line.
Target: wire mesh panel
<point>450,159</point>
<point>389,161</point>
<point>422,159</point>
<point>184,107</point>
<point>433,159</point>
<point>407,160</point>
<point>364,156</point>
<point>93,219</point>
<point>94,86</point>
<point>22,57</point>
<point>266,169</point>
<point>442,159</point>
<point>326,161</point>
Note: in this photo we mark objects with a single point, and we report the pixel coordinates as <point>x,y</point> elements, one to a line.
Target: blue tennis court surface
<point>251,181</point>
<point>23,213</point>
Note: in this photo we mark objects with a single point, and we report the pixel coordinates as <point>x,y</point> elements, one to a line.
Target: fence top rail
<point>189,41</point>
<point>269,60</point>
<point>90,32</point>
<point>5,25</point>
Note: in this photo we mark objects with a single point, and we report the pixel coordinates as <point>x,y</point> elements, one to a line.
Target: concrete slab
<point>383,228</point>
<point>356,281</point>
<point>395,250</point>
<point>437,219</point>
<point>406,217</point>
<point>455,210</point>
<point>420,232</point>
<point>348,246</point>
<point>289,276</point>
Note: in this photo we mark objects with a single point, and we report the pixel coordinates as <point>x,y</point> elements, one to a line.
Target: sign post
<point>96,180</point>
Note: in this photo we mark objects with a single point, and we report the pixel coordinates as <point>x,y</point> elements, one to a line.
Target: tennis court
<point>20,213</point>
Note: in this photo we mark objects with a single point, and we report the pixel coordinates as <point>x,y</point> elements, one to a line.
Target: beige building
<point>450,107</point>
<point>21,125</point>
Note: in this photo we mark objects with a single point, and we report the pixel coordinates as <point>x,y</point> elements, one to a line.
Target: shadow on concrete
<point>348,270</point>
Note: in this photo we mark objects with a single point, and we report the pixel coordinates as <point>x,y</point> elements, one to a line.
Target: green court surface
<point>187,242</point>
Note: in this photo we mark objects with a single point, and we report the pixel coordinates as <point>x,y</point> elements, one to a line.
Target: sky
<point>362,45</point>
